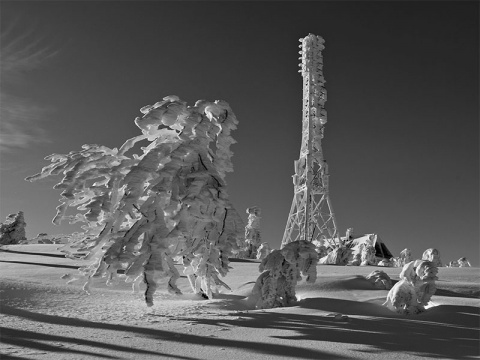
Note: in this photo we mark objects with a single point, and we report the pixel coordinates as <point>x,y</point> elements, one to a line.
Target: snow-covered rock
<point>12,231</point>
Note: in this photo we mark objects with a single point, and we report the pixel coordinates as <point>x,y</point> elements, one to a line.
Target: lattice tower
<point>311,215</point>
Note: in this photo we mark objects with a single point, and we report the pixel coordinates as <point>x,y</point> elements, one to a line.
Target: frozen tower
<point>311,216</point>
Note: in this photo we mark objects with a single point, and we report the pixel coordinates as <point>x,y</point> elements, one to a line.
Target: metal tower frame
<point>311,215</point>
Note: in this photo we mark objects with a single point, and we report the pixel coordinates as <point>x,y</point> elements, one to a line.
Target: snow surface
<point>338,317</point>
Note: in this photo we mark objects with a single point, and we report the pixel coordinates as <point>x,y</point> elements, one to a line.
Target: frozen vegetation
<point>145,211</point>
<point>414,290</point>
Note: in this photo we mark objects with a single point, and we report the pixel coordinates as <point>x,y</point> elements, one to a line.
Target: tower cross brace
<point>311,215</point>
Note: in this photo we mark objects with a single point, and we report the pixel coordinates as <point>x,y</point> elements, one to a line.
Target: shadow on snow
<point>30,339</point>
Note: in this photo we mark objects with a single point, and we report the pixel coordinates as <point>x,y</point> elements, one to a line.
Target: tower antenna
<point>311,215</point>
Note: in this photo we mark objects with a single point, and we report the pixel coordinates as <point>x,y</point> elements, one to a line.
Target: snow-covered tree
<point>253,237</point>
<point>432,255</point>
<point>142,212</point>
<point>263,250</point>
<point>404,258</point>
<point>368,255</point>
<point>281,270</point>
<point>363,255</point>
<point>12,231</point>
<point>320,248</point>
<point>462,262</point>
<point>411,294</point>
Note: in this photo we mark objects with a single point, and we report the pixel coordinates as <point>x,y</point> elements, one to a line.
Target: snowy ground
<point>43,318</point>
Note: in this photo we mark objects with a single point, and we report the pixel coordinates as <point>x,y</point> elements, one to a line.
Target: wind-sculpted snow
<point>281,270</point>
<point>145,211</point>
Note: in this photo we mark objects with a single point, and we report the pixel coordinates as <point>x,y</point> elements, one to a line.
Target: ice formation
<point>414,290</point>
<point>263,250</point>
<point>252,232</point>
<point>12,231</point>
<point>281,270</point>
<point>168,203</point>
<point>380,280</point>
<point>432,255</point>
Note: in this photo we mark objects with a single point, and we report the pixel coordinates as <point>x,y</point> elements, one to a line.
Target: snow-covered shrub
<point>432,255</point>
<point>263,250</point>
<point>414,290</point>
<point>380,280</point>
<point>462,262</point>
<point>144,211</point>
<point>281,270</point>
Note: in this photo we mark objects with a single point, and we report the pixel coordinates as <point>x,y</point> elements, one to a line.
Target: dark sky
<point>402,138</point>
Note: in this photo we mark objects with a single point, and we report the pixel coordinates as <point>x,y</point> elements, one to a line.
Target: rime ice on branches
<point>142,212</point>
